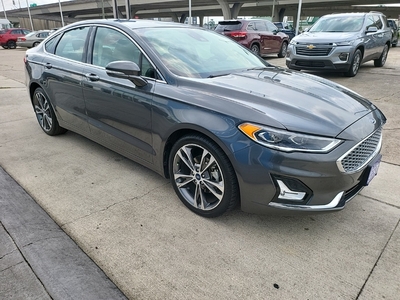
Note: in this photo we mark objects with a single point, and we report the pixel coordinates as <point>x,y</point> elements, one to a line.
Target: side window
<point>378,22</point>
<point>369,22</point>
<point>271,27</point>
<point>112,45</point>
<point>72,44</point>
<point>251,26</point>
<point>261,26</point>
<point>25,31</point>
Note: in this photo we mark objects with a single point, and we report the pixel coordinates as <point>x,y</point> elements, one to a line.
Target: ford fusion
<point>225,126</point>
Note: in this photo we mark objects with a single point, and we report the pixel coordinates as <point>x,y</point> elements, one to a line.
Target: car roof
<point>132,23</point>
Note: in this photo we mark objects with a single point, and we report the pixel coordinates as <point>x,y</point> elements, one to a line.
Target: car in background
<point>286,28</point>
<point>395,32</point>
<point>341,42</point>
<point>8,37</point>
<point>32,39</point>
<point>262,37</point>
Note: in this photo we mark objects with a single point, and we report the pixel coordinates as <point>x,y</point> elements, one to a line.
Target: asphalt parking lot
<point>129,221</point>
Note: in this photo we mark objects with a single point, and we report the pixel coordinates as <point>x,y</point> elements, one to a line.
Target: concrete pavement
<point>128,220</point>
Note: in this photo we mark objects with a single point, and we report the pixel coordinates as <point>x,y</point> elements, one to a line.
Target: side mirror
<point>372,29</point>
<point>126,70</point>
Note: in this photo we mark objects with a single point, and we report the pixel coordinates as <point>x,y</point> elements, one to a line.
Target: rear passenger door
<point>119,112</point>
<point>63,74</point>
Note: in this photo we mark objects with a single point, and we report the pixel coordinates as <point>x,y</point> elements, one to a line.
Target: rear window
<point>228,26</point>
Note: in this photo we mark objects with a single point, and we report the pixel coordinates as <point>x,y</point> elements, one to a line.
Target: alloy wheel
<point>198,177</point>
<point>43,113</point>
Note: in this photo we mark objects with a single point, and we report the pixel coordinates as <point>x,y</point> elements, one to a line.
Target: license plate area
<point>371,171</point>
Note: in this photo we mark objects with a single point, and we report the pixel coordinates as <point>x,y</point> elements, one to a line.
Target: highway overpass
<point>47,16</point>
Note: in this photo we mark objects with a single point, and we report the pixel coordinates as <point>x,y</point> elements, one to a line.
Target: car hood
<point>325,37</point>
<point>283,98</point>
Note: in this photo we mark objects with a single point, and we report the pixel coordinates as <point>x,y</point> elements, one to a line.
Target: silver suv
<point>341,42</point>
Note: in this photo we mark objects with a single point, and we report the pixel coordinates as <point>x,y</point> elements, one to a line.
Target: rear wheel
<point>5,47</point>
<point>45,114</point>
<point>355,64</point>
<point>11,44</point>
<point>255,49</point>
<point>202,176</point>
<point>283,51</point>
<point>380,62</point>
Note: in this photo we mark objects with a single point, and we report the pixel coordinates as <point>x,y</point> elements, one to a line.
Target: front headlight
<point>346,43</point>
<point>292,42</point>
<point>288,141</point>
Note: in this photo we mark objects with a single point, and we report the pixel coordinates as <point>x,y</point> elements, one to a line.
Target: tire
<point>35,44</point>
<point>5,47</point>
<point>355,64</point>
<point>11,44</point>
<point>283,51</point>
<point>45,114</point>
<point>380,62</point>
<point>202,176</point>
<point>255,49</point>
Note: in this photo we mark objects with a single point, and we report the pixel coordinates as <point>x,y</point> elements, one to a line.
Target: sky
<point>15,4</point>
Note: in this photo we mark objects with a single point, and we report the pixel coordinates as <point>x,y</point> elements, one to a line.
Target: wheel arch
<point>180,132</point>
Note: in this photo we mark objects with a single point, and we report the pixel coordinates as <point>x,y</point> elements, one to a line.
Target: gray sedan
<point>32,39</point>
<point>225,126</point>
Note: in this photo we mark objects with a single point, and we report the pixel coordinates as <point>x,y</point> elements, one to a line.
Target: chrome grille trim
<point>315,50</point>
<point>361,154</point>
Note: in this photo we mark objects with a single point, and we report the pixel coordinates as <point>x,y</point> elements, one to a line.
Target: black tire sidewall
<point>54,125</point>
<point>230,182</point>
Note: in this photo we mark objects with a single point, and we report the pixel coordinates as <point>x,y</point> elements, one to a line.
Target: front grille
<point>311,50</point>
<point>310,63</point>
<point>361,154</point>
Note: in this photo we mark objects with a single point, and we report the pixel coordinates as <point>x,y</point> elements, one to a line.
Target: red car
<point>260,36</point>
<point>8,37</point>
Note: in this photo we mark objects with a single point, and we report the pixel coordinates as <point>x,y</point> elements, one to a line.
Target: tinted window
<point>378,22</point>
<point>260,26</point>
<point>112,45</point>
<point>270,26</point>
<point>370,22</point>
<point>228,26</point>
<point>251,26</point>
<point>72,44</point>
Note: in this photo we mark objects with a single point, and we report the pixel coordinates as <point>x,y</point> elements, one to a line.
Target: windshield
<point>197,53</point>
<point>338,24</point>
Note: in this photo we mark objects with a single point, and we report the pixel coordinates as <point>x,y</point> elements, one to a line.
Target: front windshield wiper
<point>217,75</point>
<point>261,68</point>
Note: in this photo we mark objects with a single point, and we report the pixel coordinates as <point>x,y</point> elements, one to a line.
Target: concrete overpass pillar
<point>235,10</point>
<point>175,18</point>
<point>201,20</point>
<point>226,11</point>
<point>183,17</point>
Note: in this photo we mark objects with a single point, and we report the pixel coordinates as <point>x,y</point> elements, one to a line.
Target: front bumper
<point>312,182</point>
<point>337,58</point>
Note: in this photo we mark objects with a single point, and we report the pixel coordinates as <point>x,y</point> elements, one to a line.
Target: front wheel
<point>355,64</point>
<point>45,113</point>
<point>283,51</point>
<point>202,176</point>
<point>35,44</point>
<point>380,62</point>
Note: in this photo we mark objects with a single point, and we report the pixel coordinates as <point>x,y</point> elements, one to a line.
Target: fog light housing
<point>343,56</point>
<point>291,191</point>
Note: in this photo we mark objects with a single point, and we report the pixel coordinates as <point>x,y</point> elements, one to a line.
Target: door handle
<point>92,77</point>
<point>48,66</point>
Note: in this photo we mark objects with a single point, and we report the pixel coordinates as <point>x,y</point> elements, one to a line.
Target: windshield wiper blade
<point>217,75</point>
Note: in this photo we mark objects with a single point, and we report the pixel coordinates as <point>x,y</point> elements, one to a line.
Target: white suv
<point>341,42</point>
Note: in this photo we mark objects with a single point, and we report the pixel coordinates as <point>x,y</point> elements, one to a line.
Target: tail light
<point>240,35</point>
<point>21,39</point>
